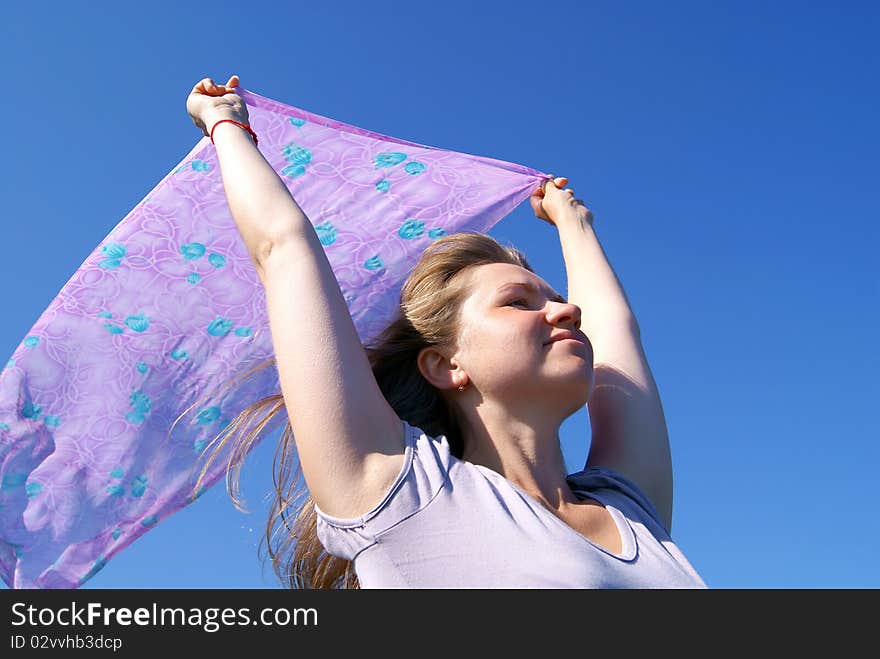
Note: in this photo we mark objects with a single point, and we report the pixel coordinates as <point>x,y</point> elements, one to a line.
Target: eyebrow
<point>553,295</point>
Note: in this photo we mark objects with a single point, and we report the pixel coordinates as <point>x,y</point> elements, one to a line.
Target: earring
<point>461,387</point>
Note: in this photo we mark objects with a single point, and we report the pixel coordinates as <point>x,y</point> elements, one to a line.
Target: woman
<point>443,466</point>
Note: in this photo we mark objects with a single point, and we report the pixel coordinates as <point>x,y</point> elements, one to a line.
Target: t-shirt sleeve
<point>627,495</point>
<point>425,471</point>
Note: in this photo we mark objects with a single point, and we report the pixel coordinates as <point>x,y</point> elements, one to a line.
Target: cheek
<point>490,338</point>
<point>485,343</point>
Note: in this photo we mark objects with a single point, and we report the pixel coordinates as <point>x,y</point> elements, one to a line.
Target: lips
<point>565,334</point>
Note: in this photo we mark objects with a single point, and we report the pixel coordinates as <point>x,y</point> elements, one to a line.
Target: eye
<point>518,300</point>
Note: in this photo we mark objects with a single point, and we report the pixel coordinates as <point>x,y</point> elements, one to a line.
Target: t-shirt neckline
<point>627,536</point>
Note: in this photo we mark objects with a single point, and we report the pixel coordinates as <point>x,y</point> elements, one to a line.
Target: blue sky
<point>729,152</point>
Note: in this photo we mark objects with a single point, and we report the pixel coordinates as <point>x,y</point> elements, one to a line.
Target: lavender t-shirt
<point>448,523</point>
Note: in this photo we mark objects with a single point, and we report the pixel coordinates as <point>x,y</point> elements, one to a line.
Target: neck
<point>525,451</point>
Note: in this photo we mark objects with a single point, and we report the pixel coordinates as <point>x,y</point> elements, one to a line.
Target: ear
<point>437,368</point>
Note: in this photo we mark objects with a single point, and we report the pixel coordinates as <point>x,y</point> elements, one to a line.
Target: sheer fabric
<point>168,307</point>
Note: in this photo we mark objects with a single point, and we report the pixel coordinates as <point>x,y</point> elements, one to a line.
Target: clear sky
<point>729,152</point>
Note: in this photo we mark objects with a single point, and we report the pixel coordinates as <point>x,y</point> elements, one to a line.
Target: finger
<point>558,182</point>
<point>215,89</point>
<point>233,81</point>
<point>205,86</point>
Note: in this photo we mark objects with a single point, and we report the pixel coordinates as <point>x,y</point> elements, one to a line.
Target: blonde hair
<point>428,315</point>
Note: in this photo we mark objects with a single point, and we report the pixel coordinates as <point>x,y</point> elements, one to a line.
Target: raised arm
<point>349,440</point>
<point>626,416</point>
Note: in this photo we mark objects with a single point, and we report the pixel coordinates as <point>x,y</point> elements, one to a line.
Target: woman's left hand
<point>552,204</point>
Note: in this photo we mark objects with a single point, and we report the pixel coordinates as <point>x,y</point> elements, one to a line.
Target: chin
<point>576,391</point>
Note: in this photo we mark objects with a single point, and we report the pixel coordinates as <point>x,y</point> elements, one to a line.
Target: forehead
<point>488,278</point>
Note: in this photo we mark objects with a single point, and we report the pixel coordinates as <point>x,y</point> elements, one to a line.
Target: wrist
<point>218,114</point>
<point>578,219</point>
<point>240,126</point>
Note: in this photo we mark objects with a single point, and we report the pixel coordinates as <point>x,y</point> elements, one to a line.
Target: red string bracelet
<point>237,123</point>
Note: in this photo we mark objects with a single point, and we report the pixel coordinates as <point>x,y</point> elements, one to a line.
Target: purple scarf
<point>169,307</point>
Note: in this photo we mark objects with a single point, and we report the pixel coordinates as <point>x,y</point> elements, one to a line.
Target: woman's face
<point>507,323</point>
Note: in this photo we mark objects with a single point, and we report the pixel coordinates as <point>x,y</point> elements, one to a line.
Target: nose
<point>565,311</point>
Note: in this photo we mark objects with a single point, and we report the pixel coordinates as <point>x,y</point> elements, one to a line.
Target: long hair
<point>428,315</point>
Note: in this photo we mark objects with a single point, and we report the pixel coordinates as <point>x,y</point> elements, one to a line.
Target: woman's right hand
<point>208,103</point>
<point>553,204</point>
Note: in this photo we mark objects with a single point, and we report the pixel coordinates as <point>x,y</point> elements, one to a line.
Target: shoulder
<point>619,491</point>
<point>423,474</point>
